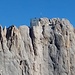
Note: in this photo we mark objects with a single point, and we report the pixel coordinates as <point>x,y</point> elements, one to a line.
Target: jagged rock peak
<point>47,47</point>
<point>47,21</point>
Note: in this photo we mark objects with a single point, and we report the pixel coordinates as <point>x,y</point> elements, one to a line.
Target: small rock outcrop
<point>47,47</point>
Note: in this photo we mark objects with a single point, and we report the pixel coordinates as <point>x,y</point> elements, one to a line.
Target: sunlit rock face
<point>47,47</point>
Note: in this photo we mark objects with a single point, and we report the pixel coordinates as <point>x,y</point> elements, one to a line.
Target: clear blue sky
<point>19,12</point>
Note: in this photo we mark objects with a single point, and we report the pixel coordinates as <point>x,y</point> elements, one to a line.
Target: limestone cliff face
<point>45,48</point>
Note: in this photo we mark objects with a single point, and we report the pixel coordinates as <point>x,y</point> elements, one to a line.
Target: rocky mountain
<point>47,47</point>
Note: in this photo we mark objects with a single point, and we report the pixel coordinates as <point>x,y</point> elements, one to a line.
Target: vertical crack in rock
<point>25,67</point>
<point>31,33</point>
<point>10,36</point>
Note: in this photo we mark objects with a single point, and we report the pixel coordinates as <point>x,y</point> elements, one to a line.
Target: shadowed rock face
<point>45,49</point>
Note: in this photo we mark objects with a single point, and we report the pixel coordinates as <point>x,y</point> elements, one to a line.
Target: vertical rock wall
<point>45,49</point>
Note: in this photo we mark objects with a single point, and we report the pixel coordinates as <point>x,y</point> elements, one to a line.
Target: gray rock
<point>45,48</point>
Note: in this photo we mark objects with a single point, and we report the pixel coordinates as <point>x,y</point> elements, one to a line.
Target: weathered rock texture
<point>47,48</point>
